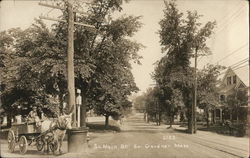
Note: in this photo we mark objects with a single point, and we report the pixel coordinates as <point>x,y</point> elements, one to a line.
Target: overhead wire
<point>232,17</point>
<point>228,15</point>
<point>237,67</point>
<point>224,25</point>
<point>239,63</point>
<point>235,51</point>
<point>241,67</point>
<point>225,21</point>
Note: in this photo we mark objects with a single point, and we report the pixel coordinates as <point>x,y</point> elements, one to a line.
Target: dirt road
<point>142,140</point>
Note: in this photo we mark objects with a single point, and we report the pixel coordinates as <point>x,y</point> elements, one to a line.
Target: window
<point>229,80</point>
<point>222,98</point>
<point>234,79</point>
<point>241,86</point>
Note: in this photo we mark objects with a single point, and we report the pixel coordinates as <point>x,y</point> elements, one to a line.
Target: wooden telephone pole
<point>194,105</point>
<point>195,92</point>
<point>77,136</point>
<point>70,49</point>
<point>70,61</point>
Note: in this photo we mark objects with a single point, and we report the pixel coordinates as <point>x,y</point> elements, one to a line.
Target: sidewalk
<point>244,141</point>
<point>224,142</point>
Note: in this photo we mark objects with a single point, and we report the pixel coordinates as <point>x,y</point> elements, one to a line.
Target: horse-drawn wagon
<point>29,134</point>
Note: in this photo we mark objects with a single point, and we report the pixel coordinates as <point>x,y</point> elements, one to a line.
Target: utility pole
<point>195,93</point>
<point>70,48</point>
<point>77,137</point>
<point>70,61</point>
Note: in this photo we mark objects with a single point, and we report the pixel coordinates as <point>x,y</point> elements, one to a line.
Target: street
<point>140,139</point>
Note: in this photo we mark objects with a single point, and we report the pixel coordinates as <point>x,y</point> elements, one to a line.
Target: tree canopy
<point>180,37</point>
<point>34,61</point>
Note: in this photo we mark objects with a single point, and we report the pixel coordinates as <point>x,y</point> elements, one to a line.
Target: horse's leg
<point>45,145</point>
<point>61,141</point>
<point>60,145</point>
<point>48,146</point>
<point>55,138</point>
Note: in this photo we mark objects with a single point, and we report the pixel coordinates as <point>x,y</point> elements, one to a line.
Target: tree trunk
<point>231,115</point>
<point>159,119</point>
<point>171,121</point>
<point>106,121</point>
<point>213,116</point>
<point>189,116</point>
<point>156,119</point>
<point>207,114</point>
<point>237,116</point>
<point>9,117</point>
<point>83,110</point>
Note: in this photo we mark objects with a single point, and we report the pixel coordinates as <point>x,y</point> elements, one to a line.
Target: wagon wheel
<point>53,145</point>
<point>11,141</point>
<point>23,144</point>
<point>39,144</point>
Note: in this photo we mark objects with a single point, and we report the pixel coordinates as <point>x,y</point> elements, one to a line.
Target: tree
<point>153,102</point>
<point>208,97</point>
<point>235,101</point>
<point>151,105</point>
<point>29,72</point>
<point>139,102</point>
<point>102,61</point>
<point>112,81</point>
<point>180,39</point>
<point>175,104</point>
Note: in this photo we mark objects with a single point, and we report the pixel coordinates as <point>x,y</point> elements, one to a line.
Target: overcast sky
<point>229,44</point>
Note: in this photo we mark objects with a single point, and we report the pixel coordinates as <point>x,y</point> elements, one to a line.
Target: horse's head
<point>64,121</point>
<point>68,121</point>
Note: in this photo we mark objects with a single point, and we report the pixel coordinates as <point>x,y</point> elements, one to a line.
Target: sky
<point>229,43</point>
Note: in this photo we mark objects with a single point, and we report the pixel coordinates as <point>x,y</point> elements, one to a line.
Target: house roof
<point>243,74</point>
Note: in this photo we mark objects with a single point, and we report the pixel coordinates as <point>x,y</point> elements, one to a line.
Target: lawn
<point>100,127</point>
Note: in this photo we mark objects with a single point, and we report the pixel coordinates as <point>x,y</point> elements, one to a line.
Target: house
<point>232,80</point>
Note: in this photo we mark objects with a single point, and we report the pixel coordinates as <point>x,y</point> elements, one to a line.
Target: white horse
<point>57,128</point>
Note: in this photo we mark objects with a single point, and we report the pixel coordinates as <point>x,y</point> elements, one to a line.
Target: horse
<point>56,128</point>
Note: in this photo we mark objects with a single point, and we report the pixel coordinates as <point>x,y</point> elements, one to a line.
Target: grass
<point>235,130</point>
<point>225,130</point>
<point>100,127</point>
<point>213,128</point>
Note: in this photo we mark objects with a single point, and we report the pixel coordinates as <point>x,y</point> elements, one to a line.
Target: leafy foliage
<point>208,96</point>
<point>180,38</point>
<point>34,61</point>
<point>236,102</point>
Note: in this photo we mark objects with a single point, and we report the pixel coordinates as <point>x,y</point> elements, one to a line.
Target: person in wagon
<point>33,117</point>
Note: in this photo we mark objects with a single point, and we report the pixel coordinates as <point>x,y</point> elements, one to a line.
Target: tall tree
<point>180,38</point>
<point>102,59</point>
